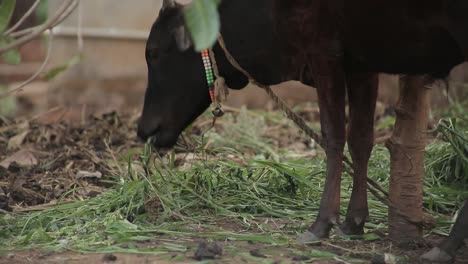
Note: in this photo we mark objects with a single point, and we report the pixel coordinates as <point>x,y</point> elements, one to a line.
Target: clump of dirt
<point>41,161</point>
<point>208,251</point>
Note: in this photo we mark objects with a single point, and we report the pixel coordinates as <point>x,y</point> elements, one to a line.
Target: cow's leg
<point>362,96</point>
<point>329,79</point>
<point>445,253</point>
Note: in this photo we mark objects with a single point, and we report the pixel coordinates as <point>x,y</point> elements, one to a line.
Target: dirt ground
<point>70,156</point>
<point>82,154</point>
<point>237,252</point>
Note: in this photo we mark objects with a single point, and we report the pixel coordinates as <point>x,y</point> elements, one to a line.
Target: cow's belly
<point>379,41</point>
<point>435,53</point>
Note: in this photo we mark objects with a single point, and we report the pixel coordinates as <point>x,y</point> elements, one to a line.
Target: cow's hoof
<point>436,255</point>
<point>351,229</point>
<point>308,238</point>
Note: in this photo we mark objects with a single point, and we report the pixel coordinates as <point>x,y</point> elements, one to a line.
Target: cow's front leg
<point>329,79</point>
<point>362,96</point>
<point>445,253</point>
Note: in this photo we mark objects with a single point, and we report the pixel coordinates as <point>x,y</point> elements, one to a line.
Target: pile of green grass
<point>267,198</point>
<point>447,167</point>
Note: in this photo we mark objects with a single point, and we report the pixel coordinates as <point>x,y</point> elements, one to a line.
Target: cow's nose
<point>142,136</point>
<point>144,132</point>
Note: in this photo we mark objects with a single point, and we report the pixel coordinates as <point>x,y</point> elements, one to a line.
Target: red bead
<point>212,95</point>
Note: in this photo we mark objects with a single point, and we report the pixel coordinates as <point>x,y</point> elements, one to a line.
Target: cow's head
<point>177,91</point>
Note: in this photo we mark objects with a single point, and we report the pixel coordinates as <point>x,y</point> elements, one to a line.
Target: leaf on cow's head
<point>202,20</point>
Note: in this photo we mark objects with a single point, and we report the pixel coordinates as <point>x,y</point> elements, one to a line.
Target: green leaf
<point>6,11</point>
<point>54,72</point>
<point>12,56</point>
<point>42,11</point>
<point>7,104</point>
<point>202,20</point>
<point>370,237</point>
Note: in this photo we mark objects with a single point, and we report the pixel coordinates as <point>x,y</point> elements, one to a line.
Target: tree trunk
<point>406,147</point>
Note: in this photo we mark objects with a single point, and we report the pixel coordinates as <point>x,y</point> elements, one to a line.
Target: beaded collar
<point>210,80</point>
<point>209,73</point>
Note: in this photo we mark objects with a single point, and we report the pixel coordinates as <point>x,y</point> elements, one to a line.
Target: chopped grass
<point>238,185</point>
<point>447,168</point>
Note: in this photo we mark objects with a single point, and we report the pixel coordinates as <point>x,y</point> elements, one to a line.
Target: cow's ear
<point>168,4</point>
<point>182,37</point>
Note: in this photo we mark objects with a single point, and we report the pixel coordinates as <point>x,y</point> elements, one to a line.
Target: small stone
<point>436,255</point>
<point>208,251</point>
<point>257,253</point>
<point>308,238</point>
<point>300,258</point>
<point>378,259</point>
<point>109,258</point>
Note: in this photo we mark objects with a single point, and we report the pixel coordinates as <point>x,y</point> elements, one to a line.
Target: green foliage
<point>6,11</point>
<point>202,20</point>
<point>103,220</point>
<point>459,110</point>
<point>449,160</point>
<point>11,56</point>
<point>42,11</point>
<point>245,134</point>
<point>217,182</point>
<point>447,164</point>
<point>7,104</point>
<point>54,72</point>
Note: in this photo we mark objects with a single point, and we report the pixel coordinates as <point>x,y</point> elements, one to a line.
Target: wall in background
<point>112,72</point>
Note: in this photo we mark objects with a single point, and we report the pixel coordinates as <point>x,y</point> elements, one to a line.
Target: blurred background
<point>106,70</point>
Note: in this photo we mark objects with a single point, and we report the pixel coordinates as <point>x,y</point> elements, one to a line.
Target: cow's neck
<point>457,11</point>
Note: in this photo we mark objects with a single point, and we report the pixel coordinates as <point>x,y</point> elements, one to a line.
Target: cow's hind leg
<point>445,253</point>
<point>362,96</point>
<point>330,83</point>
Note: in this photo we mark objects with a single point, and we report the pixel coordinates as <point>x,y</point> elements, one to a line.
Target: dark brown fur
<point>337,46</point>
<point>345,44</point>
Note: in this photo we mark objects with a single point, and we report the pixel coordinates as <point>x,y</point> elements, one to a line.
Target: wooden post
<point>406,147</point>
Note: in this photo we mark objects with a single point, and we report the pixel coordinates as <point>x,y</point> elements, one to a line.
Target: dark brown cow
<point>447,250</point>
<point>344,44</point>
<point>335,45</point>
